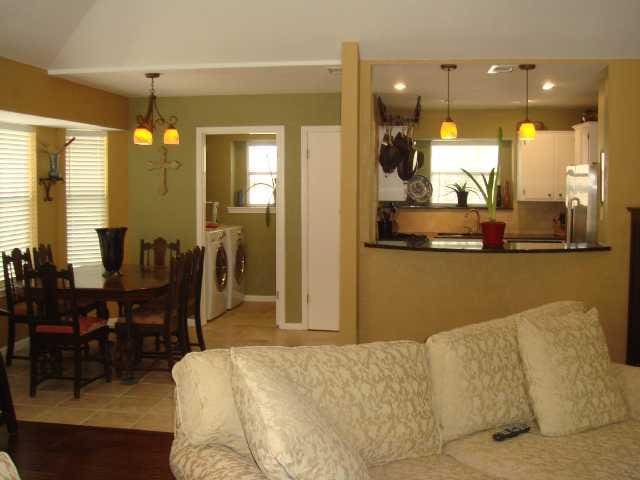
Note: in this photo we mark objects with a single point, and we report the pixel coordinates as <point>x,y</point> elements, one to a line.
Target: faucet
<point>477,223</point>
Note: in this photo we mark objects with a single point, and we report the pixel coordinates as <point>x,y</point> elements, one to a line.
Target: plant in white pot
<point>492,231</point>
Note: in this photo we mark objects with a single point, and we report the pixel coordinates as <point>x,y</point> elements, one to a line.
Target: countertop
<point>472,245</point>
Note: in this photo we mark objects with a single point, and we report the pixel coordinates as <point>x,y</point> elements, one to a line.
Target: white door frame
<point>201,170</point>
<point>304,209</point>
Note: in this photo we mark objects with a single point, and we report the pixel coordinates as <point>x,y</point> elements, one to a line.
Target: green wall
<point>260,240</point>
<point>173,216</point>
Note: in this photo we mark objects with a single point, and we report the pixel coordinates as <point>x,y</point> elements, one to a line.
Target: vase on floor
<point>112,248</point>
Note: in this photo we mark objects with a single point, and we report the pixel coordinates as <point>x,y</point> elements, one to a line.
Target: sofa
<point>410,410</point>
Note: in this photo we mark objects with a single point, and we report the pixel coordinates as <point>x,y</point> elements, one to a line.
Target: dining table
<point>133,284</point>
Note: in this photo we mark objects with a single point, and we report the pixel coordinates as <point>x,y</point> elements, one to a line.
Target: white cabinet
<point>542,166</point>
<point>586,142</point>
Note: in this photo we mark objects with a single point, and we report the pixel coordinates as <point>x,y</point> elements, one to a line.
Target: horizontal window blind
<point>85,181</point>
<point>16,188</point>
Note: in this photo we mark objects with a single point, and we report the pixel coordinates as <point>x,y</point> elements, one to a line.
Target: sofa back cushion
<point>287,434</point>
<point>477,374</point>
<point>376,396</point>
<point>205,408</point>
<point>570,375</point>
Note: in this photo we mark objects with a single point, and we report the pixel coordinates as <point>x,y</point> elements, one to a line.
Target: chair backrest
<point>51,297</point>
<point>155,253</point>
<point>197,272</point>
<point>42,254</point>
<point>178,290</point>
<point>13,269</point>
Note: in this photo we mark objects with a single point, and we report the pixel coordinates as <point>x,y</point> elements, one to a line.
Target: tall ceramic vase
<point>112,248</point>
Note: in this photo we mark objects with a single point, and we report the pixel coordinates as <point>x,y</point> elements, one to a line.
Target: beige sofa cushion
<point>606,453</point>
<point>569,373</point>
<point>629,380</point>
<point>204,402</point>
<point>433,467</point>
<point>376,396</point>
<point>478,380</point>
<point>288,436</point>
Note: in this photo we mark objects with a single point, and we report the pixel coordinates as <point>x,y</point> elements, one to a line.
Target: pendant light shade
<point>143,134</point>
<point>171,136</point>
<point>448,129</point>
<point>527,129</point>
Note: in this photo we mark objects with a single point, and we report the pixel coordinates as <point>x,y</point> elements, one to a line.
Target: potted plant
<point>462,191</point>
<point>492,231</point>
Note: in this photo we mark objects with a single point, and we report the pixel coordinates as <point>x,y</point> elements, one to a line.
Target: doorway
<point>253,192</point>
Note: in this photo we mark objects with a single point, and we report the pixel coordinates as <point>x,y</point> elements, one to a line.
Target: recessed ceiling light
<point>495,69</point>
<point>548,85</point>
<point>400,86</point>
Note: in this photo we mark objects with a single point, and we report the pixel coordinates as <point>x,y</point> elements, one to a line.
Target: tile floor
<point>148,405</point>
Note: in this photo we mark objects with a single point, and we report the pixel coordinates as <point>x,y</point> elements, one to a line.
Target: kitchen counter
<point>472,245</point>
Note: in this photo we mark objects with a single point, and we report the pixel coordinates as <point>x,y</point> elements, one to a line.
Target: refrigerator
<point>582,203</point>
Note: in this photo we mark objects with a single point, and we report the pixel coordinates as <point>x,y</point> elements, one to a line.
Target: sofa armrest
<point>210,462</point>
<point>629,379</point>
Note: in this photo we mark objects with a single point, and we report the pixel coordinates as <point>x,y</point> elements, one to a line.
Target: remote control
<point>511,431</point>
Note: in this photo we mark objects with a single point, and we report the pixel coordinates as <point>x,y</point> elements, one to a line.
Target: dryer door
<point>241,264</point>
<point>222,269</point>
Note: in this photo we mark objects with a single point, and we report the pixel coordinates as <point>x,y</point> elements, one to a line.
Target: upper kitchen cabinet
<point>542,166</point>
<point>586,142</point>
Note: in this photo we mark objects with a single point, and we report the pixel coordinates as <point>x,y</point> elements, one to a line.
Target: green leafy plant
<point>460,188</point>
<point>488,191</point>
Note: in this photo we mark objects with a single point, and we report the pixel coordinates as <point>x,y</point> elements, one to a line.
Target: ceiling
<point>14,118</point>
<point>99,42</point>
<point>220,81</point>
<point>576,85</point>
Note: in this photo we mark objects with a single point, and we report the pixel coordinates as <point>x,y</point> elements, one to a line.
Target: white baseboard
<point>260,298</point>
<point>22,343</point>
<point>292,326</point>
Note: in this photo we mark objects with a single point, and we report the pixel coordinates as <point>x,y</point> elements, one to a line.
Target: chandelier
<point>143,134</point>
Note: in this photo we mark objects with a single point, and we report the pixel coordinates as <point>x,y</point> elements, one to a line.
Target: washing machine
<point>234,243</point>
<point>216,273</point>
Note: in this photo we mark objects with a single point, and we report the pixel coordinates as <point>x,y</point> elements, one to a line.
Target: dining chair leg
<point>77,370</point>
<point>199,333</point>
<point>157,343</point>
<point>106,357</point>
<point>6,402</point>
<point>168,350</point>
<point>33,367</point>
<point>11,341</point>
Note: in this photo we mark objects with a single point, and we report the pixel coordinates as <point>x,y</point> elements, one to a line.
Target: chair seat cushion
<point>87,325</point>
<point>610,452</point>
<point>146,315</point>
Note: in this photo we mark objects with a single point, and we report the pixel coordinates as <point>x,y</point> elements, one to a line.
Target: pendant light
<point>143,134</point>
<point>527,130</point>
<point>448,129</point>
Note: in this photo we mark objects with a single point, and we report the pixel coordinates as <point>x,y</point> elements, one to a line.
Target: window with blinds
<point>17,187</point>
<point>86,189</point>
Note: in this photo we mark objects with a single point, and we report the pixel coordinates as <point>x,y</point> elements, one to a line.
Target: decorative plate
<point>419,189</point>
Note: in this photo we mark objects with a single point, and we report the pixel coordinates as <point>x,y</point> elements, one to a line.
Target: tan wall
<point>260,239</point>
<point>174,215</point>
<point>416,294</point>
<point>30,90</point>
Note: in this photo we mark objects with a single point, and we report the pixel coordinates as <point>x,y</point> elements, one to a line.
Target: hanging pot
<point>388,154</point>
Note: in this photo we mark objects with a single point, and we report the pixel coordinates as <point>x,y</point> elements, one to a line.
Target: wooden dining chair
<point>7,410</point>
<point>55,324</point>
<point>195,298</point>
<point>42,254</point>
<point>154,254</point>
<point>165,319</point>
<point>15,306</point>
